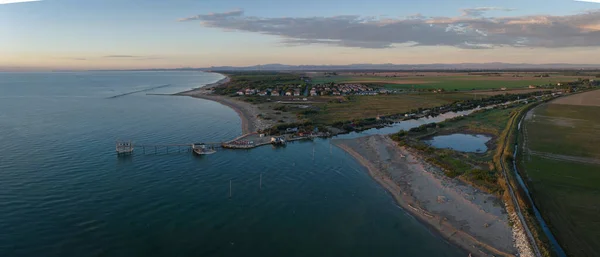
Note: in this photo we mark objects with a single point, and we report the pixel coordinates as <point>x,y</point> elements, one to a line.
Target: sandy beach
<point>463,215</point>
<point>248,112</point>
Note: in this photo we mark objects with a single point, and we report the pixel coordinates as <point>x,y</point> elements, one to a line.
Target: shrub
<point>282,108</point>
<point>308,112</point>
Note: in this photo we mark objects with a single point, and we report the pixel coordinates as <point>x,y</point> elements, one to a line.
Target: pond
<point>461,142</point>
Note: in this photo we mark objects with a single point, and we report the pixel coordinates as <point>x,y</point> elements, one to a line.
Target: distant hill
<point>374,67</point>
<point>389,66</point>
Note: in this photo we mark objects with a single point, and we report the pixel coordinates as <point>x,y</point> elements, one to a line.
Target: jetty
<point>138,91</point>
<point>172,148</point>
<point>247,141</point>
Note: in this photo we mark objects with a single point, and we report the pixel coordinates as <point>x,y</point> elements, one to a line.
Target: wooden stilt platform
<point>169,148</point>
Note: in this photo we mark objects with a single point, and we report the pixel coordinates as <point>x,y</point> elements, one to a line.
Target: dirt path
<point>513,197</point>
<point>560,157</point>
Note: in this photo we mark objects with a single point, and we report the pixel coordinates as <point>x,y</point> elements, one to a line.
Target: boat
<point>201,149</point>
<point>277,141</point>
<point>123,148</point>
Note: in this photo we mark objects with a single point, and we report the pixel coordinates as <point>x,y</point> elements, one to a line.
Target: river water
<point>63,192</point>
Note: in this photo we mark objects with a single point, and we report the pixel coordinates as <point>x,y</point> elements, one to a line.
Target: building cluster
<point>292,90</point>
<point>343,89</point>
<point>315,90</point>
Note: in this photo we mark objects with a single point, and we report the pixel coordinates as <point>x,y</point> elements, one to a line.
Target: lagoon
<point>461,142</point>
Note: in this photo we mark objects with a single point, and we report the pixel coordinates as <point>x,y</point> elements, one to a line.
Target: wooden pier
<point>247,141</point>
<point>172,148</point>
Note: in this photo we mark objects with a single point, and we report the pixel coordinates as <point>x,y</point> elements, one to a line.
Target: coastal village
<point>331,89</point>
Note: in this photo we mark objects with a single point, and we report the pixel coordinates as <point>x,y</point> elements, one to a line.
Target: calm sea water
<point>63,191</point>
<point>461,142</point>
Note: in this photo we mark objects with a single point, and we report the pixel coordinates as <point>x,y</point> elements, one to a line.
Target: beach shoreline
<point>469,222</point>
<point>247,112</point>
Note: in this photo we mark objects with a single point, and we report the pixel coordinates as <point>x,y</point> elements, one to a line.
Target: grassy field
<point>565,129</point>
<point>360,107</point>
<point>567,192</point>
<point>453,83</point>
<point>569,198</point>
<point>508,91</point>
<point>258,80</point>
<point>488,121</point>
<point>448,81</point>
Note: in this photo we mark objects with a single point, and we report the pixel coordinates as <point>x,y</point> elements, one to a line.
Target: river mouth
<point>470,143</point>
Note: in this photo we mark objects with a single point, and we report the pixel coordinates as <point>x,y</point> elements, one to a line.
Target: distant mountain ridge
<point>389,66</point>
<point>374,67</point>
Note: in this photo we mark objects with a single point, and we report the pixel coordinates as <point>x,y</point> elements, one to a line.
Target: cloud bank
<point>480,11</point>
<point>121,56</point>
<point>116,57</point>
<point>17,1</point>
<point>470,30</point>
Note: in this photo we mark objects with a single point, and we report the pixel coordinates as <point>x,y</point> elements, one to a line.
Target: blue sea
<point>64,192</point>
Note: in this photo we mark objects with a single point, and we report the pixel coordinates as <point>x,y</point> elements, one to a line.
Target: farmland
<point>360,107</point>
<point>515,91</point>
<point>449,81</point>
<point>258,80</point>
<point>560,161</point>
<point>565,129</point>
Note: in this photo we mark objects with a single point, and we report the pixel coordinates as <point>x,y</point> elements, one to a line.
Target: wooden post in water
<point>230,188</point>
<point>260,182</point>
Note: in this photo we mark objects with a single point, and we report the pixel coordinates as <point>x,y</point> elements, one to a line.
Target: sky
<point>131,34</point>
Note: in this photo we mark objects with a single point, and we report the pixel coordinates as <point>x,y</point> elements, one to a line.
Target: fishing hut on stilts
<point>124,147</point>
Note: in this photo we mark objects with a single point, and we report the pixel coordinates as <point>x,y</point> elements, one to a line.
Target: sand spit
<point>470,218</point>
